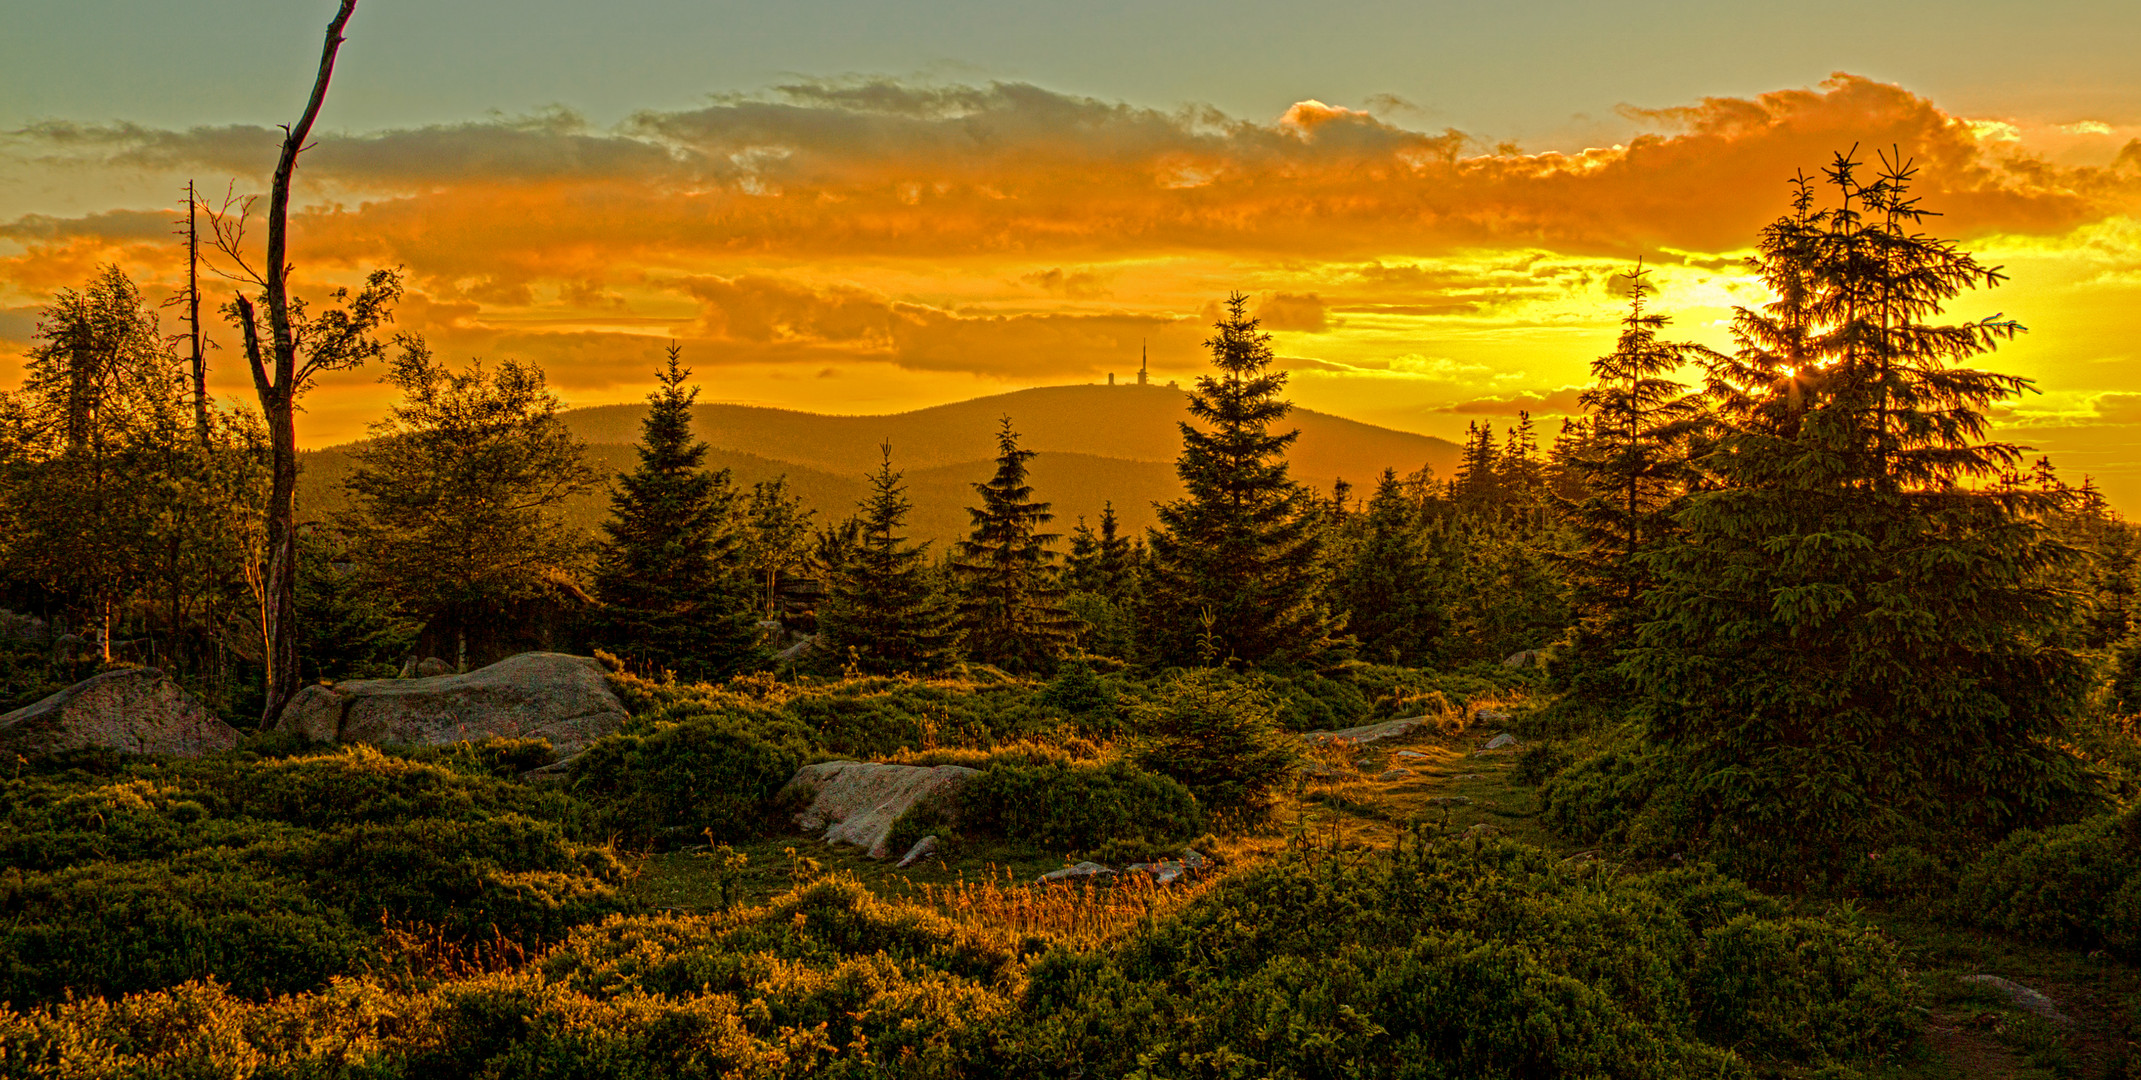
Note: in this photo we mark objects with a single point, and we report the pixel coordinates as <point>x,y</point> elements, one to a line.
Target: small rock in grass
<point>1081,870</point>
<point>922,849</point>
<point>1500,741</point>
<point>1394,774</point>
<point>1483,830</point>
<point>1490,716</point>
<point>1448,800</point>
<point>2022,997</point>
<point>1409,754</point>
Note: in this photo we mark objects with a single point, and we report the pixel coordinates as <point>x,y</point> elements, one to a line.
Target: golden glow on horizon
<point>876,246</point>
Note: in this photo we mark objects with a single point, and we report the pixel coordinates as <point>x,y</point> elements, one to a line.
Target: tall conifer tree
<point>883,607</point>
<point>1632,468</point>
<point>1388,584</point>
<point>671,575</point>
<point>1848,649</point>
<point>1235,562</point>
<point>1010,603</point>
<point>1478,483</point>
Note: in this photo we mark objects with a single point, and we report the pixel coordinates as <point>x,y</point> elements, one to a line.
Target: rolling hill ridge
<point>1093,444</point>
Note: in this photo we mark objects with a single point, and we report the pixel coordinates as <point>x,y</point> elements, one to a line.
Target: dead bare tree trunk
<point>275,379</point>
<point>193,315</point>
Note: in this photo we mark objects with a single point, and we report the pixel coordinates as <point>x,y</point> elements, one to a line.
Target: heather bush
<point>272,874</point>
<point>1467,959</point>
<point>1077,807</point>
<point>1456,959</point>
<point>1219,736</point>
<point>678,771</point>
<point>2077,885</point>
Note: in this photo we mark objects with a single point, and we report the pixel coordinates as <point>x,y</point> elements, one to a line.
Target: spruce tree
<point>1236,561</point>
<point>1632,470</point>
<point>1388,583</point>
<point>1847,649</point>
<point>1518,470</point>
<point>883,609</point>
<point>1478,484</point>
<point>1119,557</point>
<point>1081,567</point>
<point>675,592</point>
<point>1010,604</point>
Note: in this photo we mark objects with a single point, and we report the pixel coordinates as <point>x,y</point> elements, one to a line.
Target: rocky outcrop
<point>1080,870</point>
<point>2021,997</point>
<point>135,711</point>
<point>565,699</point>
<point>922,849</point>
<point>856,802</point>
<point>1369,733</point>
<point>1164,872</point>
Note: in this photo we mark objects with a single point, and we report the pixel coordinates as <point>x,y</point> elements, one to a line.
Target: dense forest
<point>1802,666</point>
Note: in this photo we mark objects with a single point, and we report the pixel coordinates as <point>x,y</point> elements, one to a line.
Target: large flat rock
<point>1369,733</point>
<point>856,802</point>
<point>135,711</point>
<point>565,699</point>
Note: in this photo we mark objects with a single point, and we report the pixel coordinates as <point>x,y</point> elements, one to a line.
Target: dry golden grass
<point>412,953</point>
<point>1087,913</point>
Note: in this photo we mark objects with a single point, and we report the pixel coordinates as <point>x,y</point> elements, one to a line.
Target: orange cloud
<point>886,168</point>
<point>1302,312</point>
<point>886,231</point>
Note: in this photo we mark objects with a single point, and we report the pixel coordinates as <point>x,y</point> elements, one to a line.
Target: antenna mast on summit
<point>1142,375</point>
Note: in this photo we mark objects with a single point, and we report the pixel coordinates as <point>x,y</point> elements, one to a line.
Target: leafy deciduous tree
<point>456,500</point>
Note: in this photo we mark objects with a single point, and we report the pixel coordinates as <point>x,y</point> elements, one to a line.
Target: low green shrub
<point>2076,885</point>
<point>1906,879</point>
<point>1539,761</point>
<point>873,717</point>
<point>1077,691</point>
<point>1466,959</point>
<point>110,928</point>
<point>1219,736</point>
<point>1596,798</point>
<point>827,981</point>
<point>503,758</point>
<point>678,771</point>
<point>1802,990</point>
<point>1069,807</point>
<point>1458,959</point>
<point>271,874</point>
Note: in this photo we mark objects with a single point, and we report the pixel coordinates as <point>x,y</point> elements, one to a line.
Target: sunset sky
<point>870,206</point>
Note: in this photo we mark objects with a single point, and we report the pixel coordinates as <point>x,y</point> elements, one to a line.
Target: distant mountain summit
<point>1134,423</point>
<point>1095,443</point>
